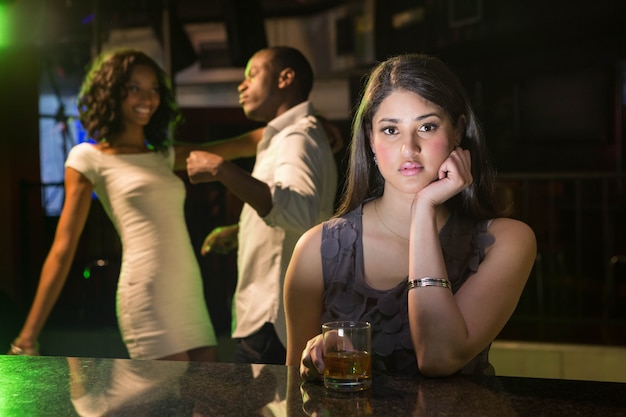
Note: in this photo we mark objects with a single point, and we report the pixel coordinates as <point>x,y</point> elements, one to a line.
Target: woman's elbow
<point>440,364</point>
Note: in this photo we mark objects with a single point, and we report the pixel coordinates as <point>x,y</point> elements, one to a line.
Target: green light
<point>17,387</point>
<point>28,382</point>
<point>4,26</point>
<point>87,273</point>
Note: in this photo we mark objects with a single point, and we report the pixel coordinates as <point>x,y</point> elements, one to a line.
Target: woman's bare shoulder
<point>513,230</point>
<point>312,236</point>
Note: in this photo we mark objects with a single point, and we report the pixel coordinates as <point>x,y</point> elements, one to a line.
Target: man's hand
<point>221,240</point>
<point>203,166</point>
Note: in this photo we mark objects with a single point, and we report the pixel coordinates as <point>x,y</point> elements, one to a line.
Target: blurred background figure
<point>292,187</point>
<point>127,107</point>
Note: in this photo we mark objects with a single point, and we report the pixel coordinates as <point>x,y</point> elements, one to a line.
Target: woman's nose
<point>148,96</point>
<point>410,148</point>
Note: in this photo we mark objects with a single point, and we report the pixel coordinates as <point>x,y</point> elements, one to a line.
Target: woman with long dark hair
<point>418,246</point>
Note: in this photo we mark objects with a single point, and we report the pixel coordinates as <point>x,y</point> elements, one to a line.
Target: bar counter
<point>66,386</point>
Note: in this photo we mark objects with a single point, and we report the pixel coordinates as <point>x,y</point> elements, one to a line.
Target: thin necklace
<point>383,223</point>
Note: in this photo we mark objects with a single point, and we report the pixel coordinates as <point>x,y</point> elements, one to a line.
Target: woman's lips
<point>410,168</point>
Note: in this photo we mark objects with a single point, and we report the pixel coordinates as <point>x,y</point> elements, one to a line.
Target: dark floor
<point>72,333</point>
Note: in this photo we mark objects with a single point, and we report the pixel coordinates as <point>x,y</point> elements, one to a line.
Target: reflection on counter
<point>63,387</point>
<point>123,387</point>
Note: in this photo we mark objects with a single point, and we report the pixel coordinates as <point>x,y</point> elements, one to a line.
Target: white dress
<point>161,308</point>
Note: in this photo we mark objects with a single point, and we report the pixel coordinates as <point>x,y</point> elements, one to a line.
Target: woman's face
<point>142,98</point>
<point>411,138</point>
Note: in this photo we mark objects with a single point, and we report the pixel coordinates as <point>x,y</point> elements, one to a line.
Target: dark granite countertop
<point>57,386</point>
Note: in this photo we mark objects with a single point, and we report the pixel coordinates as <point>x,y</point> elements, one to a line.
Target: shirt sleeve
<point>81,158</point>
<point>297,182</point>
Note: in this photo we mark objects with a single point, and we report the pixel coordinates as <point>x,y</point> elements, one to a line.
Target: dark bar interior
<point>548,80</point>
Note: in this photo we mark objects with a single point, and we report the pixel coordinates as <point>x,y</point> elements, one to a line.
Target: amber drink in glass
<point>347,355</point>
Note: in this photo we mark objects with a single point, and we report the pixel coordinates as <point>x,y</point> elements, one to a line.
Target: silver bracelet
<point>429,282</point>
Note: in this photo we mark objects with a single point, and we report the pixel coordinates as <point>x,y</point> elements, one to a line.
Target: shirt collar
<point>288,118</point>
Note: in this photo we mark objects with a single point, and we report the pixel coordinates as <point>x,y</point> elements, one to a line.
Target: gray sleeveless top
<point>347,296</point>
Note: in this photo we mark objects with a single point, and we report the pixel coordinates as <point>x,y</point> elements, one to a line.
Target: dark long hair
<point>431,79</point>
<point>104,89</point>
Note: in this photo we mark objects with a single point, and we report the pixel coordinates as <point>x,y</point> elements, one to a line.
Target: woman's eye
<point>389,130</point>
<point>132,88</point>
<point>427,127</point>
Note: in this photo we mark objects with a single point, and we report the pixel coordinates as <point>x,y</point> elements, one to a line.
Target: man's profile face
<point>257,92</point>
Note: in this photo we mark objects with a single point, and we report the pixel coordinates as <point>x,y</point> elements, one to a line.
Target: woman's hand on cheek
<point>454,175</point>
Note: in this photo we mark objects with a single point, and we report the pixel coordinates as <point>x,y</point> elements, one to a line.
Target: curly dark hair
<point>104,89</point>
<point>431,79</point>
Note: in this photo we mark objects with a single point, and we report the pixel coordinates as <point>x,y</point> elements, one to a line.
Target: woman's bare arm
<point>304,286</point>
<point>59,260</point>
